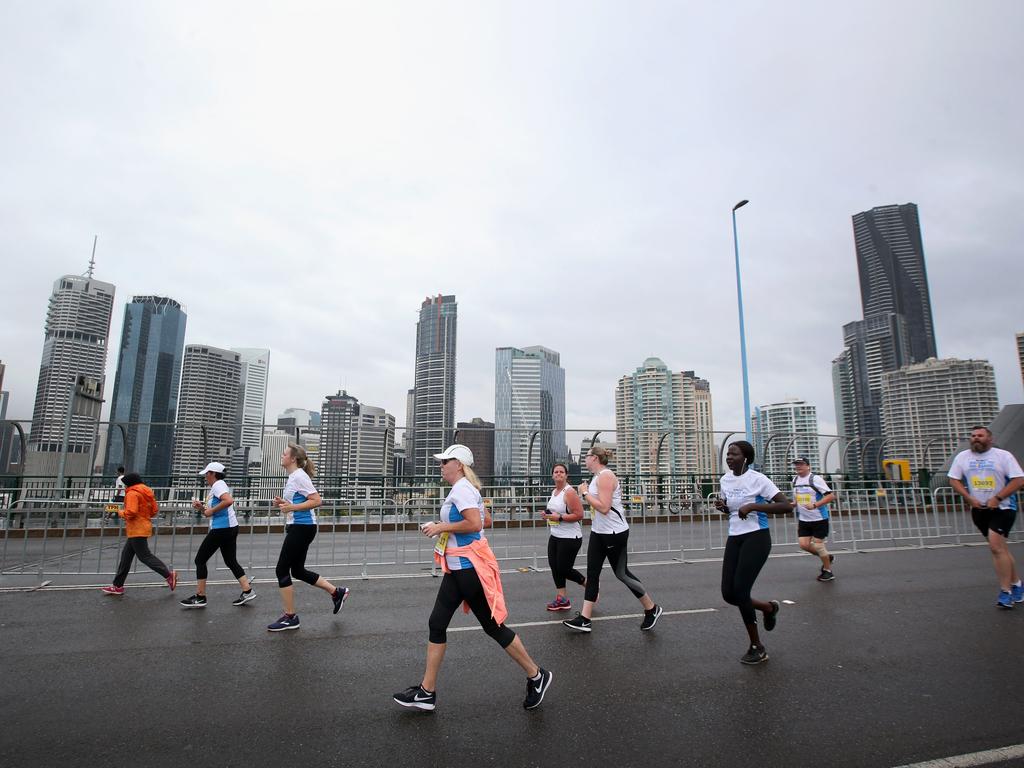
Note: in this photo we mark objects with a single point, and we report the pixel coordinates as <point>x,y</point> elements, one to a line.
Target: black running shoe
<point>771,618</point>
<point>756,655</point>
<point>244,597</point>
<point>338,598</point>
<point>826,575</point>
<point>535,689</point>
<point>580,623</point>
<point>651,618</point>
<point>417,698</point>
<point>196,601</point>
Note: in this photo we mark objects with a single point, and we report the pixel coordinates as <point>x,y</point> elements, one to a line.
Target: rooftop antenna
<point>92,259</point>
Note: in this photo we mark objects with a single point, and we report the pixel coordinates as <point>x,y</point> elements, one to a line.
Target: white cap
<point>213,466</point>
<point>457,452</point>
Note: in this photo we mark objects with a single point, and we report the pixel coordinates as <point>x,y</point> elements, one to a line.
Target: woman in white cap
<point>298,502</point>
<point>471,579</point>
<point>223,535</point>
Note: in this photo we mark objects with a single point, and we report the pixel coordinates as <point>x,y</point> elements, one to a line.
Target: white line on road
<point>989,756</point>
<point>596,618</point>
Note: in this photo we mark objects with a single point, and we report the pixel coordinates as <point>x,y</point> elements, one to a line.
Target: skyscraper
<point>775,427</point>
<point>1020,354</point>
<point>529,397</point>
<point>75,344</point>
<point>478,436</point>
<point>927,408</point>
<point>356,441</point>
<point>873,347</point>
<point>893,279</point>
<point>252,401</point>
<point>145,395</point>
<point>656,408</point>
<point>207,409</point>
<point>434,396</point>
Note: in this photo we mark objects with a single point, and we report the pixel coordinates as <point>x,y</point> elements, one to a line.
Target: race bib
<point>553,523</point>
<point>983,483</point>
<point>442,542</point>
<point>804,499</point>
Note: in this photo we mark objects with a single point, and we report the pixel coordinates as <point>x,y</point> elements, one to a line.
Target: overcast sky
<point>301,176</point>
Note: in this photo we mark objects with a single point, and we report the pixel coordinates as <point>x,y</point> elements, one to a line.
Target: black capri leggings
<point>464,586</point>
<point>292,560</point>
<point>562,560</point>
<point>613,547</point>
<point>745,555</point>
<point>224,539</point>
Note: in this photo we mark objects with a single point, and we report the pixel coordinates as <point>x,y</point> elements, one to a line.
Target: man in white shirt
<point>811,497</point>
<point>988,479</point>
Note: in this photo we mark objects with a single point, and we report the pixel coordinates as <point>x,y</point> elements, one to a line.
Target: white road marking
<point>596,618</point>
<point>988,757</point>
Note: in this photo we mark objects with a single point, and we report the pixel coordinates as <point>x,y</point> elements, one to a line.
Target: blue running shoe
<point>1005,599</point>
<point>1017,590</point>
<point>285,622</point>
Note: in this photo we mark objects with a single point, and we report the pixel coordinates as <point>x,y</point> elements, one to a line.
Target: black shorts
<point>998,520</point>
<point>817,529</point>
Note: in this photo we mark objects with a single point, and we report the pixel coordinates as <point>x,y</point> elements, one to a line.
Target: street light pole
<point>743,335</point>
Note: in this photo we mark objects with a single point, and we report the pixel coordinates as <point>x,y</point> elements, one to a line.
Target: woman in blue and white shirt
<point>223,535</point>
<point>299,502</point>
<point>749,497</point>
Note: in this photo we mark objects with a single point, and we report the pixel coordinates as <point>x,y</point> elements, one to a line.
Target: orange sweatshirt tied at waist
<point>486,566</point>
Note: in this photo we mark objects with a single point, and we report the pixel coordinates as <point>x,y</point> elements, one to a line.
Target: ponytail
<point>302,461</point>
<point>471,476</point>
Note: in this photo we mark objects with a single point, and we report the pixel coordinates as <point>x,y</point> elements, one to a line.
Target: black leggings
<point>292,560</point>
<point>562,560</point>
<point>745,555</point>
<point>224,539</point>
<point>464,586</point>
<point>613,547</point>
<point>138,546</point>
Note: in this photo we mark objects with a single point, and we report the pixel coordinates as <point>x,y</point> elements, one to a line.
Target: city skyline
<point>534,187</point>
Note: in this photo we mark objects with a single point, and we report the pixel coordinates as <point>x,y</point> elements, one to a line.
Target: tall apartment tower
<point>478,436</point>
<point>775,427</point>
<point>1020,354</point>
<point>928,407</point>
<point>873,346</point>
<point>434,396</point>
<point>75,344</point>
<point>207,408</point>
<point>336,421</point>
<point>252,400</point>
<point>529,397</point>
<point>146,385</point>
<point>356,440</point>
<point>893,279</point>
<point>657,407</point>
<point>373,446</point>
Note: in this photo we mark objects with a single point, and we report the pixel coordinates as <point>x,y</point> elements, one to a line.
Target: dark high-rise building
<point>478,436</point>
<point>146,384</point>
<point>893,279</point>
<point>434,390</point>
<point>336,421</point>
<point>75,345</point>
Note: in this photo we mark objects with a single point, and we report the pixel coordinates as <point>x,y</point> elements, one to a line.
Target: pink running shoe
<point>112,590</point>
<point>560,603</point>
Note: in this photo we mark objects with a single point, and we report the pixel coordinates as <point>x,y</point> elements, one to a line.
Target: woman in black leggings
<point>563,514</point>
<point>223,535</point>
<point>749,497</point>
<point>609,536</point>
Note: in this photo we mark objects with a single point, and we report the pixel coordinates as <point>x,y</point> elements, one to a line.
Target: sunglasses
<point>445,461</point>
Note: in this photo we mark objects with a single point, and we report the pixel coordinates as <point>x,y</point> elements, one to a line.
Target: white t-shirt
<point>558,529</point>
<point>298,489</point>
<point>615,520</point>
<point>461,497</point>
<point>749,488</point>
<point>806,491</point>
<point>225,518</point>
<point>986,474</point>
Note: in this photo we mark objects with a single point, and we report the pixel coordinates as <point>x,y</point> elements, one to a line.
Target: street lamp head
<point>739,205</point>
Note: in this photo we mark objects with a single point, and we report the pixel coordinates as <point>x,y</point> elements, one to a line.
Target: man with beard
<point>988,479</point>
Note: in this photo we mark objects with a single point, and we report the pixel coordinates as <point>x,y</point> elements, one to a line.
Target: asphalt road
<point>902,658</point>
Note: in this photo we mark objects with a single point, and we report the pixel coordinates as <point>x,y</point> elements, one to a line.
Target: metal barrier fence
<point>49,538</point>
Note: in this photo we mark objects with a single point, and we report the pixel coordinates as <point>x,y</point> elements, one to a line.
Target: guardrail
<point>50,538</point>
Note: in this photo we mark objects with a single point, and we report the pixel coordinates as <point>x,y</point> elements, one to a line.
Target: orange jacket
<point>486,565</point>
<point>139,506</point>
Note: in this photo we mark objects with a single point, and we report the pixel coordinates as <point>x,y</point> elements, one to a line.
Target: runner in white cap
<point>223,535</point>
<point>471,579</point>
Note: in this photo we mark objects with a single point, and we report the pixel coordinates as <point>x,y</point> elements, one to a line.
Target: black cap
<point>802,460</point>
